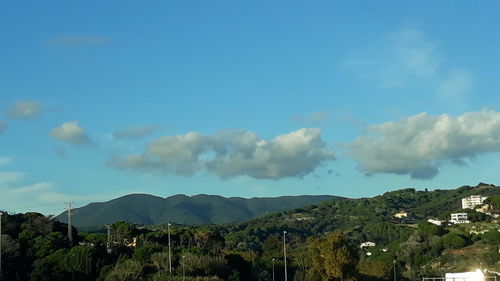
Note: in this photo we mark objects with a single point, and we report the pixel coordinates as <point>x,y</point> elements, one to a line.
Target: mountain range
<point>198,209</point>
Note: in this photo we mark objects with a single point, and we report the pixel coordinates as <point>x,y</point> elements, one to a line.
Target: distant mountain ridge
<point>198,209</point>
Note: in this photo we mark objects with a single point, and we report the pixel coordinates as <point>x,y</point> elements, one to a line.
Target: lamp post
<point>183,269</point>
<point>169,251</point>
<point>273,268</point>
<point>394,266</point>
<point>284,252</point>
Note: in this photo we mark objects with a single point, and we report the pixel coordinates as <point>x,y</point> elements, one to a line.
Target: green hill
<point>198,209</point>
<point>37,247</point>
<point>365,219</point>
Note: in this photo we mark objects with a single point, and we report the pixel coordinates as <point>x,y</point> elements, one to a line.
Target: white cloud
<point>25,109</point>
<point>419,145</point>
<point>135,132</point>
<point>30,189</point>
<point>232,153</point>
<point>71,132</point>
<point>8,177</point>
<point>5,160</point>
<point>37,197</point>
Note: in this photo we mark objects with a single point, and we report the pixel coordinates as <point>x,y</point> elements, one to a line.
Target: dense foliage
<point>198,209</point>
<point>322,243</point>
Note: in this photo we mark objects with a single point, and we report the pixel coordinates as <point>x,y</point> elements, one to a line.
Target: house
<point>483,209</point>
<point>435,222</point>
<point>367,244</point>
<point>472,201</point>
<point>401,215</point>
<point>459,218</point>
<point>131,244</point>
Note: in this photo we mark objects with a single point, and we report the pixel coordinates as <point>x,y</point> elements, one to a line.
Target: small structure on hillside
<point>367,244</point>
<point>483,209</point>
<point>435,222</point>
<point>459,218</point>
<point>401,215</point>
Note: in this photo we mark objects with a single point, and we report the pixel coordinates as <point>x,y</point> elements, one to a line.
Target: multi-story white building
<point>459,218</point>
<point>472,201</point>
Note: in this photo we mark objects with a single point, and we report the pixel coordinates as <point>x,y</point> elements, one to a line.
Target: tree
<point>427,228</point>
<point>453,240</point>
<point>272,247</point>
<point>128,270</point>
<point>493,201</point>
<point>376,268</point>
<point>160,260</point>
<point>51,267</point>
<point>332,257</point>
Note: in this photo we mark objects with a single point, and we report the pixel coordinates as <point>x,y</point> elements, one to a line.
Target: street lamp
<point>394,263</point>
<point>183,269</point>
<point>169,252</point>
<point>273,268</point>
<point>284,251</point>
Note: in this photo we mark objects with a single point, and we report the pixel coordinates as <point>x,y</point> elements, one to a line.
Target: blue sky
<point>244,98</point>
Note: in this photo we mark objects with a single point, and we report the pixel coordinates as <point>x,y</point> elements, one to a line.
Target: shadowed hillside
<point>198,209</point>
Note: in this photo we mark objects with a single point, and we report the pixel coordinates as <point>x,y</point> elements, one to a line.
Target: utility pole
<point>70,227</point>
<point>273,268</point>
<point>284,252</point>
<point>169,251</point>
<point>1,246</point>
<point>108,245</point>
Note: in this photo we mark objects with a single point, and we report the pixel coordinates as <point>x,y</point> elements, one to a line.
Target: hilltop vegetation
<point>322,243</point>
<point>199,209</point>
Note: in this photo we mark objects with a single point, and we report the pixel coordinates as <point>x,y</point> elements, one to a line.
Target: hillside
<point>38,248</point>
<point>181,209</point>
<point>364,219</point>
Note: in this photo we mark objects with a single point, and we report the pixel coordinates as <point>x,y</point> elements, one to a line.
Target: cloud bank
<point>419,145</point>
<point>72,133</point>
<point>25,109</point>
<point>232,153</point>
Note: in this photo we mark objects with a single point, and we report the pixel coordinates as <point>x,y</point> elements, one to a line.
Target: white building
<point>472,201</point>
<point>459,218</point>
<point>465,276</point>
<point>367,244</point>
<point>401,215</point>
<point>435,222</point>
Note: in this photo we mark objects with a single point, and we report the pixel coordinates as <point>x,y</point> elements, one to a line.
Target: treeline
<point>37,248</point>
<point>322,243</point>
